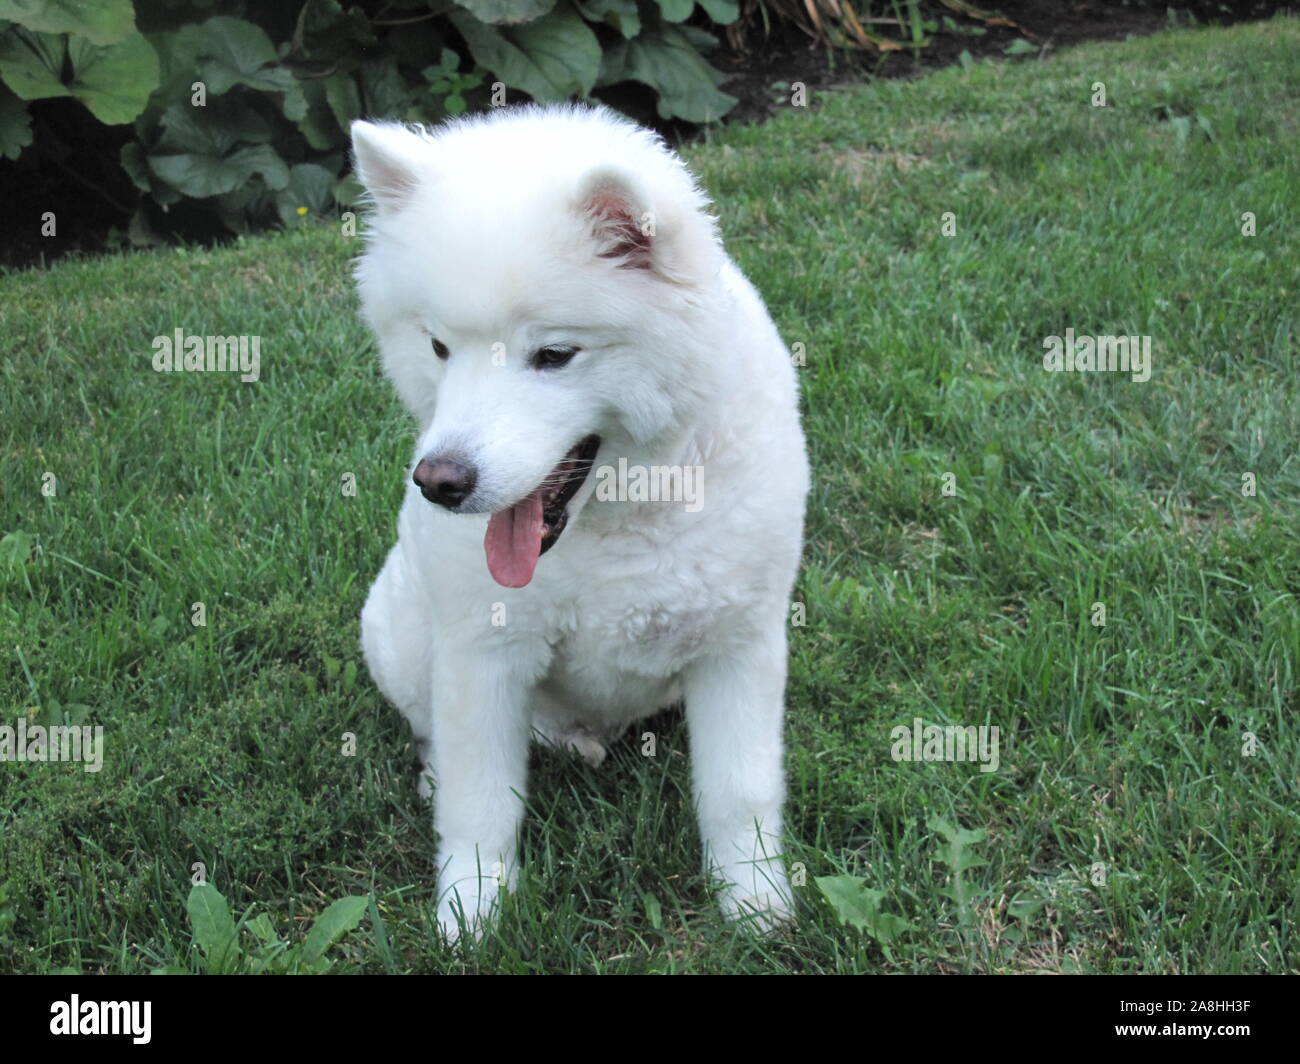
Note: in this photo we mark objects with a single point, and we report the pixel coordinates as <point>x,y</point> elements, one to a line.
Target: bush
<point>243,117</point>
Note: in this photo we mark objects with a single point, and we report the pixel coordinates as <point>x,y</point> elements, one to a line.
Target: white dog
<point>596,382</point>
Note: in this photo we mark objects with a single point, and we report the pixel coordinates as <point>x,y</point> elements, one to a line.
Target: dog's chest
<point>648,637</point>
<point>616,658</point>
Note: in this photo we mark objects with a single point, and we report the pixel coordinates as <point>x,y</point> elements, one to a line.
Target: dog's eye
<point>552,357</point>
<point>439,348</point>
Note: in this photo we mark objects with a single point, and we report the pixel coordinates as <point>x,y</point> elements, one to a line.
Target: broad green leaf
<point>701,40</point>
<point>852,901</point>
<point>31,64</point>
<point>100,21</point>
<point>344,99</point>
<point>15,125</point>
<point>621,14</point>
<point>136,164</point>
<point>676,10</point>
<point>260,159</point>
<point>347,191</point>
<point>238,46</point>
<point>211,130</point>
<point>721,12</point>
<point>241,208</point>
<point>551,59</point>
<point>234,52</point>
<point>294,104</point>
<point>666,59</point>
<point>133,162</point>
<point>335,922</point>
<point>15,549</point>
<point>211,175</point>
<point>387,94</point>
<point>856,904</point>
<point>316,124</point>
<point>312,187</point>
<point>261,926</point>
<point>113,81</point>
<point>507,11</point>
<point>178,65</point>
<point>210,920</point>
<point>958,836</point>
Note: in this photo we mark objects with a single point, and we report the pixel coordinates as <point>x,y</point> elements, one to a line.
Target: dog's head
<point>536,280</point>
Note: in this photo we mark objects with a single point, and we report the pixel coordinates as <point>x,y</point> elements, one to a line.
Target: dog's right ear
<point>388,160</point>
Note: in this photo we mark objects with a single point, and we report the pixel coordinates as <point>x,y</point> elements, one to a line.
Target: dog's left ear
<point>389,161</point>
<point>669,236</point>
<point>622,223</point>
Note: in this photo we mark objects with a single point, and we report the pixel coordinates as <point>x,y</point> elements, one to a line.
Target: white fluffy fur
<point>480,237</point>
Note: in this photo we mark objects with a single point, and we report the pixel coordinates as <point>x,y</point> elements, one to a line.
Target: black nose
<point>444,481</point>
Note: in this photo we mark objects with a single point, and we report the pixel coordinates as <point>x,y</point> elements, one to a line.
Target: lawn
<point>1144,817</point>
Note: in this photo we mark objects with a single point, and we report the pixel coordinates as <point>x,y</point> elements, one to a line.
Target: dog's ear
<point>622,223</point>
<point>668,235</point>
<point>388,159</point>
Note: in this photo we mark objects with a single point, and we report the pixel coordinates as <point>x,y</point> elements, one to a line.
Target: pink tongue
<point>514,542</point>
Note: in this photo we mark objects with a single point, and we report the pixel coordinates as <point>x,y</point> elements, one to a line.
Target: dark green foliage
<point>243,109</point>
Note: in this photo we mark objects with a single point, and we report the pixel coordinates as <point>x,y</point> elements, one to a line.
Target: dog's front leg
<point>734,709</point>
<point>480,762</point>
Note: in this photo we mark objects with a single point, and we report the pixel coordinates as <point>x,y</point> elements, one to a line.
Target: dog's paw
<point>765,912</point>
<point>469,898</point>
<point>591,750</point>
<point>467,915</point>
<point>575,739</point>
<point>757,895</point>
<point>456,922</point>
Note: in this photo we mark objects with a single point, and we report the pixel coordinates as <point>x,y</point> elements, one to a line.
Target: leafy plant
<point>856,904</point>
<point>959,858</point>
<point>252,945</point>
<point>449,84</point>
<point>238,120</point>
<point>15,549</point>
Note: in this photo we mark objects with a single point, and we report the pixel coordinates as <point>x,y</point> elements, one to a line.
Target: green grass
<point>1122,745</point>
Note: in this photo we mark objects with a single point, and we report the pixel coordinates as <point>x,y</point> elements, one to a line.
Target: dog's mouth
<point>518,536</point>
